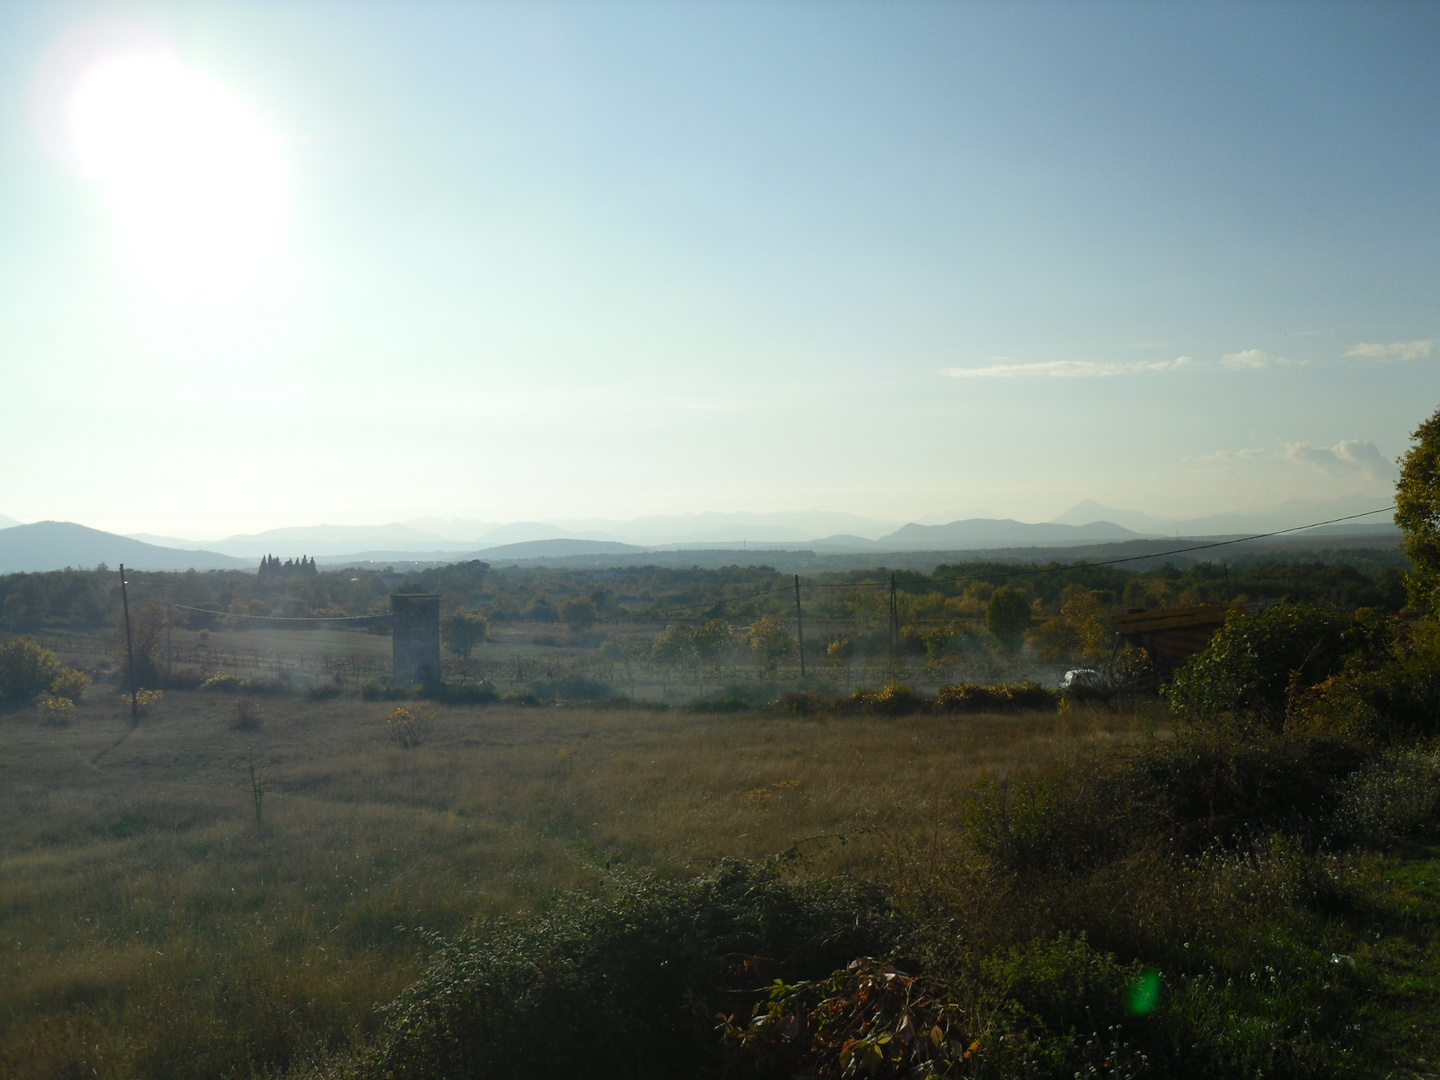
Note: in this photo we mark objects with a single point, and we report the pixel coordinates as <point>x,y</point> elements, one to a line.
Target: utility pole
<point>129,653</point>
<point>894,613</point>
<point>800,625</point>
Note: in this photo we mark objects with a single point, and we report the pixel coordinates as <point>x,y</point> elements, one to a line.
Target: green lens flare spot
<point>1144,994</point>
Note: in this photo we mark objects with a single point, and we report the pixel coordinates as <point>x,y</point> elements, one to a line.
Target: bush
<point>322,692</point>
<point>247,716</point>
<point>223,682</point>
<point>26,669</point>
<point>575,688</point>
<point>55,710</point>
<point>1394,798</point>
<point>893,699</point>
<point>805,703</point>
<point>730,703</point>
<point>1003,698</point>
<point>409,727</point>
<point>481,693</point>
<point>1257,661</point>
<point>382,690</point>
<point>625,984</point>
<point>70,684</point>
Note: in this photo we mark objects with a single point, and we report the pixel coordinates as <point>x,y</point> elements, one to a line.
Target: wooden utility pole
<point>894,613</point>
<point>800,625</point>
<point>129,652</point>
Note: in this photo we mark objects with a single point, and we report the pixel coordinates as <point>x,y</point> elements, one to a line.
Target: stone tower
<point>415,634</point>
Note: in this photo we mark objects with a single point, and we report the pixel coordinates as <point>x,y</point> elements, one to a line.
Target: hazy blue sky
<point>280,263</point>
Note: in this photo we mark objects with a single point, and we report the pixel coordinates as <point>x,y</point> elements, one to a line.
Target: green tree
<point>1417,512</point>
<point>769,637</point>
<point>579,613</point>
<point>712,637</point>
<point>1007,616</point>
<point>463,631</point>
<point>26,669</point>
<point>673,646</point>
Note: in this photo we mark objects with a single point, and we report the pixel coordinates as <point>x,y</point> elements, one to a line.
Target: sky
<point>277,264</point>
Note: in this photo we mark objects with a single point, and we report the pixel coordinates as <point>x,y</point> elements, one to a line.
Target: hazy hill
<point>54,545</point>
<point>992,533</point>
<point>1285,515</point>
<point>8,522</point>
<point>557,549</point>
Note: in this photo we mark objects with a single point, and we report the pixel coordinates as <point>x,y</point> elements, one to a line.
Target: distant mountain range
<point>53,545</point>
<point>1286,515</point>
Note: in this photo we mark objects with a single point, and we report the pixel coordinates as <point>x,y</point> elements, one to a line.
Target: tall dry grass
<point>148,927</point>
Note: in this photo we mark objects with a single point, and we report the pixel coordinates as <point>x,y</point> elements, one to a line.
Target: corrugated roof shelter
<point>1173,635</point>
<point>415,637</point>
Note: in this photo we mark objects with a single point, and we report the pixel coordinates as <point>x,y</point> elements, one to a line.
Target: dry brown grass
<point>147,927</point>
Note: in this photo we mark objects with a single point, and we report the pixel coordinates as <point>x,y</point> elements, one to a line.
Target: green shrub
<point>626,984</point>
<point>1257,661</point>
<point>382,690</point>
<point>26,669</point>
<point>1004,697</point>
<point>893,699</point>
<point>223,682</point>
<point>70,684</point>
<point>1395,797</point>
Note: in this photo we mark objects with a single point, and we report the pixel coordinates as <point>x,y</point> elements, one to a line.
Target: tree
<point>673,646</point>
<point>1417,512</point>
<point>1007,616</point>
<point>771,640</point>
<point>711,637</point>
<point>463,631</point>
<point>26,669</point>
<point>579,613</point>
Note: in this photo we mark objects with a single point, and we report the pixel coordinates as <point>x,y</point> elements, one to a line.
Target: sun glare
<point>192,180</point>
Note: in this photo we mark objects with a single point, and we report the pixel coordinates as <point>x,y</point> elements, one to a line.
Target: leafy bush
<point>223,682</point>
<point>805,703</point>
<point>410,727</point>
<point>625,984</point>
<point>55,710</point>
<point>26,669</point>
<point>382,690</point>
<point>892,699</point>
<point>575,688</point>
<point>1393,798</point>
<point>322,692</point>
<point>1258,660</point>
<point>70,684</point>
<point>481,693</point>
<point>1003,697</point>
<point>247,716</point>
<point>730,703</point>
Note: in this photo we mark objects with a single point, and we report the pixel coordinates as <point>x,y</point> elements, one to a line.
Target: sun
<point>191,177</point>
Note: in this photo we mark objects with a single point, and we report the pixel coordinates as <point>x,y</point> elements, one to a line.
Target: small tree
<point>673,646</point>
<point>1007,616</point>
<point>26,669</point>
<point>579,614</point>
<point>769,637</point>
<point>1417,512</point>
<point>463,631</point>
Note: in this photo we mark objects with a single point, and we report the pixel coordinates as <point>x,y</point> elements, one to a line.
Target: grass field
<point>149,926</point>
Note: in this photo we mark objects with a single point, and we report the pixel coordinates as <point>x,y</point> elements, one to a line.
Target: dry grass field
<point>150,926</point>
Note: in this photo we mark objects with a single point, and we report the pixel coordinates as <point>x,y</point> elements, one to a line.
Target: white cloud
<point>1346,458</point>
<point>1250,359</point>
<point>1400,350</point>
<point>1066,369</point>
